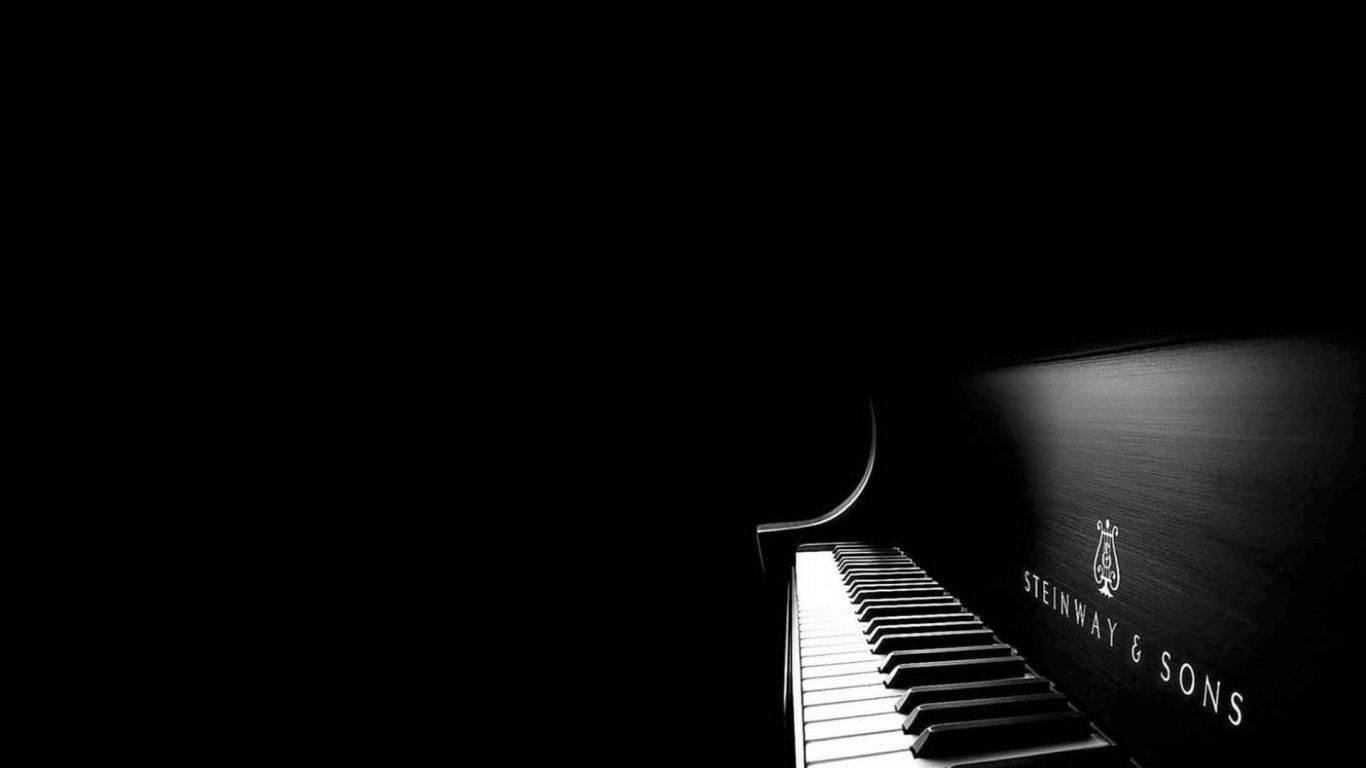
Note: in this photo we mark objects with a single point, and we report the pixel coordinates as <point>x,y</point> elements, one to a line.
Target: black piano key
<point>1108,756</point>
<point>936,622</point>
<point>953,653</point>
<point>926,715</point>
<point>902,592</point>
<point>981,689</point>
<point>947,610</point>
<point>899,581</point>
<point>950,739</point>
<point>938,637</point>
<point>856,591</point>
<point>911,612</point>
<point>870,581</point>
<point>865,556</point>
<point>961,671</point>
<point>910,606</point>
<point>880,573</point>
<point>883,565</point>
<point>848,556</point>
<point>848,562</point>
<point>873,562</point>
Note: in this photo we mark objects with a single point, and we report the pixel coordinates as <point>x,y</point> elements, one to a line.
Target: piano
<point>1142,555</point>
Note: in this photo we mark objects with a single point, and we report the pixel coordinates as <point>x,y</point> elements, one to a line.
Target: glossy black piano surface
<point>1170,532</point>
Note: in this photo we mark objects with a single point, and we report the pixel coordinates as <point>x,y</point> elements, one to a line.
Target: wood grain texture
<point>1233,471</point>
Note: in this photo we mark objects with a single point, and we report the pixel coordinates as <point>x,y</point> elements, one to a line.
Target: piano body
<point>1147,556</point>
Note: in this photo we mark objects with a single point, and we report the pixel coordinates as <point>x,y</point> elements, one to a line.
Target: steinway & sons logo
<point>1106,565</point>
<point>1105,571</point>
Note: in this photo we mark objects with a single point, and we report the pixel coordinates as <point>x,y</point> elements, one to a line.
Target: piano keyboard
<point>893,672</point>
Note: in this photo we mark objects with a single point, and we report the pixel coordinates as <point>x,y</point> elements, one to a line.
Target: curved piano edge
<point>839,509</point>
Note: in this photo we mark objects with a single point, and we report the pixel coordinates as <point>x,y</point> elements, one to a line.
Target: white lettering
<point>1233,700</point>
<point>1166,670</point>
<point>1135,652</point>
<point>1182,679</point>
<point>1113,627</point>
<point>1217,685</point>
<point>1080,609</point>
<point>1026,580</point>
<point>1095,624</point>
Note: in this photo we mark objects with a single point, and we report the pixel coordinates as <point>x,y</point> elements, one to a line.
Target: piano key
<point>844,629</point>
<point>908,599</point>
<point>817,713</point>
<point>844,681</point>
<point>960,671</point>
<point>815,644</point>
<point>897,592</point>
<point>906,566</point>
<point>864,563</point>
<point>886,565</point>
<point>829,622</point>
<point>852,726</point>
<point>1082,748</point>
<point>867,566</point>
<point>817,653</point>
<point>835,658</point>
<point>845,557</point>
<point>926,715</point>
<point>872,580</point>
<point>855,628</point>
<point>925,655</point>
<point>949,739</point>
<point>935,638</point>
<point>840,695</point>
<point>909,607</point>
<point>853,549</point>
<point>848,635</point>
<point>898,759</point>
<point>857,590</point>
<point>843,562</point>
<point>857,746</point>
<point>861,577</point>
<point>891,625</point>
<point>915,581</point>
<point>981,689</point>
<point>867,664</point>
<point>1107,756</point>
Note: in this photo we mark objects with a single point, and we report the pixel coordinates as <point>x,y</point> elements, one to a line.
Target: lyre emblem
<point>1107,559</point>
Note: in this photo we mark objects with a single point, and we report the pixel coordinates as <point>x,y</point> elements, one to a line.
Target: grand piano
<point>1146,554</point>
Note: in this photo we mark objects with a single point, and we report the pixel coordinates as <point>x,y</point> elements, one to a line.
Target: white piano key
<point>852,726</point>
<point>819,712</point>
<point>843,681</point>
<point>835,658</point>
<point>821,642</point>
<point>856,746</point>
<point>904,759</point>
<point>826,626</point>
<point>819,634</point>
<point>836,670</point>
<point>859,693</point>
<point>816,654</point>
<point>884,760</point>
